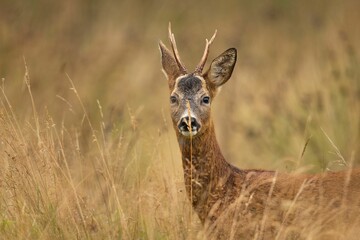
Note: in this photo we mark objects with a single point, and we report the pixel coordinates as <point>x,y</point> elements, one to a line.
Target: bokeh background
<point>293,103</point>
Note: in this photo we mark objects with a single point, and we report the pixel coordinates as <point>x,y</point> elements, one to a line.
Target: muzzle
<point>188,126</point>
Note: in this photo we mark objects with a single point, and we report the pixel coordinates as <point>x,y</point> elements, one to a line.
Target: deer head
<point>191,94</point>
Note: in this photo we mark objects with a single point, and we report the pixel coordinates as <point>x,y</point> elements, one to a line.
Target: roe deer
<point>236,203</point>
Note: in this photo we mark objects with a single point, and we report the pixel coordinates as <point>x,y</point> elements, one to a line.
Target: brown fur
<point>233,202</point>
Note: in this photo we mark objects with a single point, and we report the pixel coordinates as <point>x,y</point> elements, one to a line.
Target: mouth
<point>187,133</point>
<point>188,129</point>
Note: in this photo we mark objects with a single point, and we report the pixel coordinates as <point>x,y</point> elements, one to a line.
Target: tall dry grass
<point>87,149</point>
<point>52,189</point>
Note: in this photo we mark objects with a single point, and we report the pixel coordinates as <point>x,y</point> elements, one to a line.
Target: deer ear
<point>169,65</point>
<point>221,68</point>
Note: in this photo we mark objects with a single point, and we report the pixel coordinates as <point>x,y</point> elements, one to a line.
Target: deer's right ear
<point>169,65</point>
<point>222,67</point>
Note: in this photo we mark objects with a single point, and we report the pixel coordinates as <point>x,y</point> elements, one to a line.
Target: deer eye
<point>206,100</point>
<point>173,100</point>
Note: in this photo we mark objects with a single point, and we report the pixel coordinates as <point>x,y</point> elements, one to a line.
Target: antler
<point>202,62</point>
<point>175,51</point>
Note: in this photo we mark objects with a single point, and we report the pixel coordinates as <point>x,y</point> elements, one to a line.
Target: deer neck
<point>205,168</point>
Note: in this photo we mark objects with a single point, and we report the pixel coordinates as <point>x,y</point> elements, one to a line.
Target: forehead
<point>189,84</point>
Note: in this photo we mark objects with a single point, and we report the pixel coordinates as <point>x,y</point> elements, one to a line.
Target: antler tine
<point>201,65</point>
<point>175,51</point>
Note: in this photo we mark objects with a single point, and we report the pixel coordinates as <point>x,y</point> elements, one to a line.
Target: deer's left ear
<point>221,68</point>
<point>168,62</point>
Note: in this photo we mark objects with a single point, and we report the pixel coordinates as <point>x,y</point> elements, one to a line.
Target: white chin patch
<point>188,134</point>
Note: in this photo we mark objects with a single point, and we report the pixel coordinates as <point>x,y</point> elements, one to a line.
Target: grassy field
<point>87,150</point>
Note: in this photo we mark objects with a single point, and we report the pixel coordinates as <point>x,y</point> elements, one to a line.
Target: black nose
<point>185,124</point>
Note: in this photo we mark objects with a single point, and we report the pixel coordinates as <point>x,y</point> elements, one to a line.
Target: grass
<point>51,189</point>
<point>88,151</point>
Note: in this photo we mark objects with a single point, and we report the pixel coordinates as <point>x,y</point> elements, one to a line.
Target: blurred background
<point>293,103</point>
<point>298,67</point>
<point>297,71</point>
